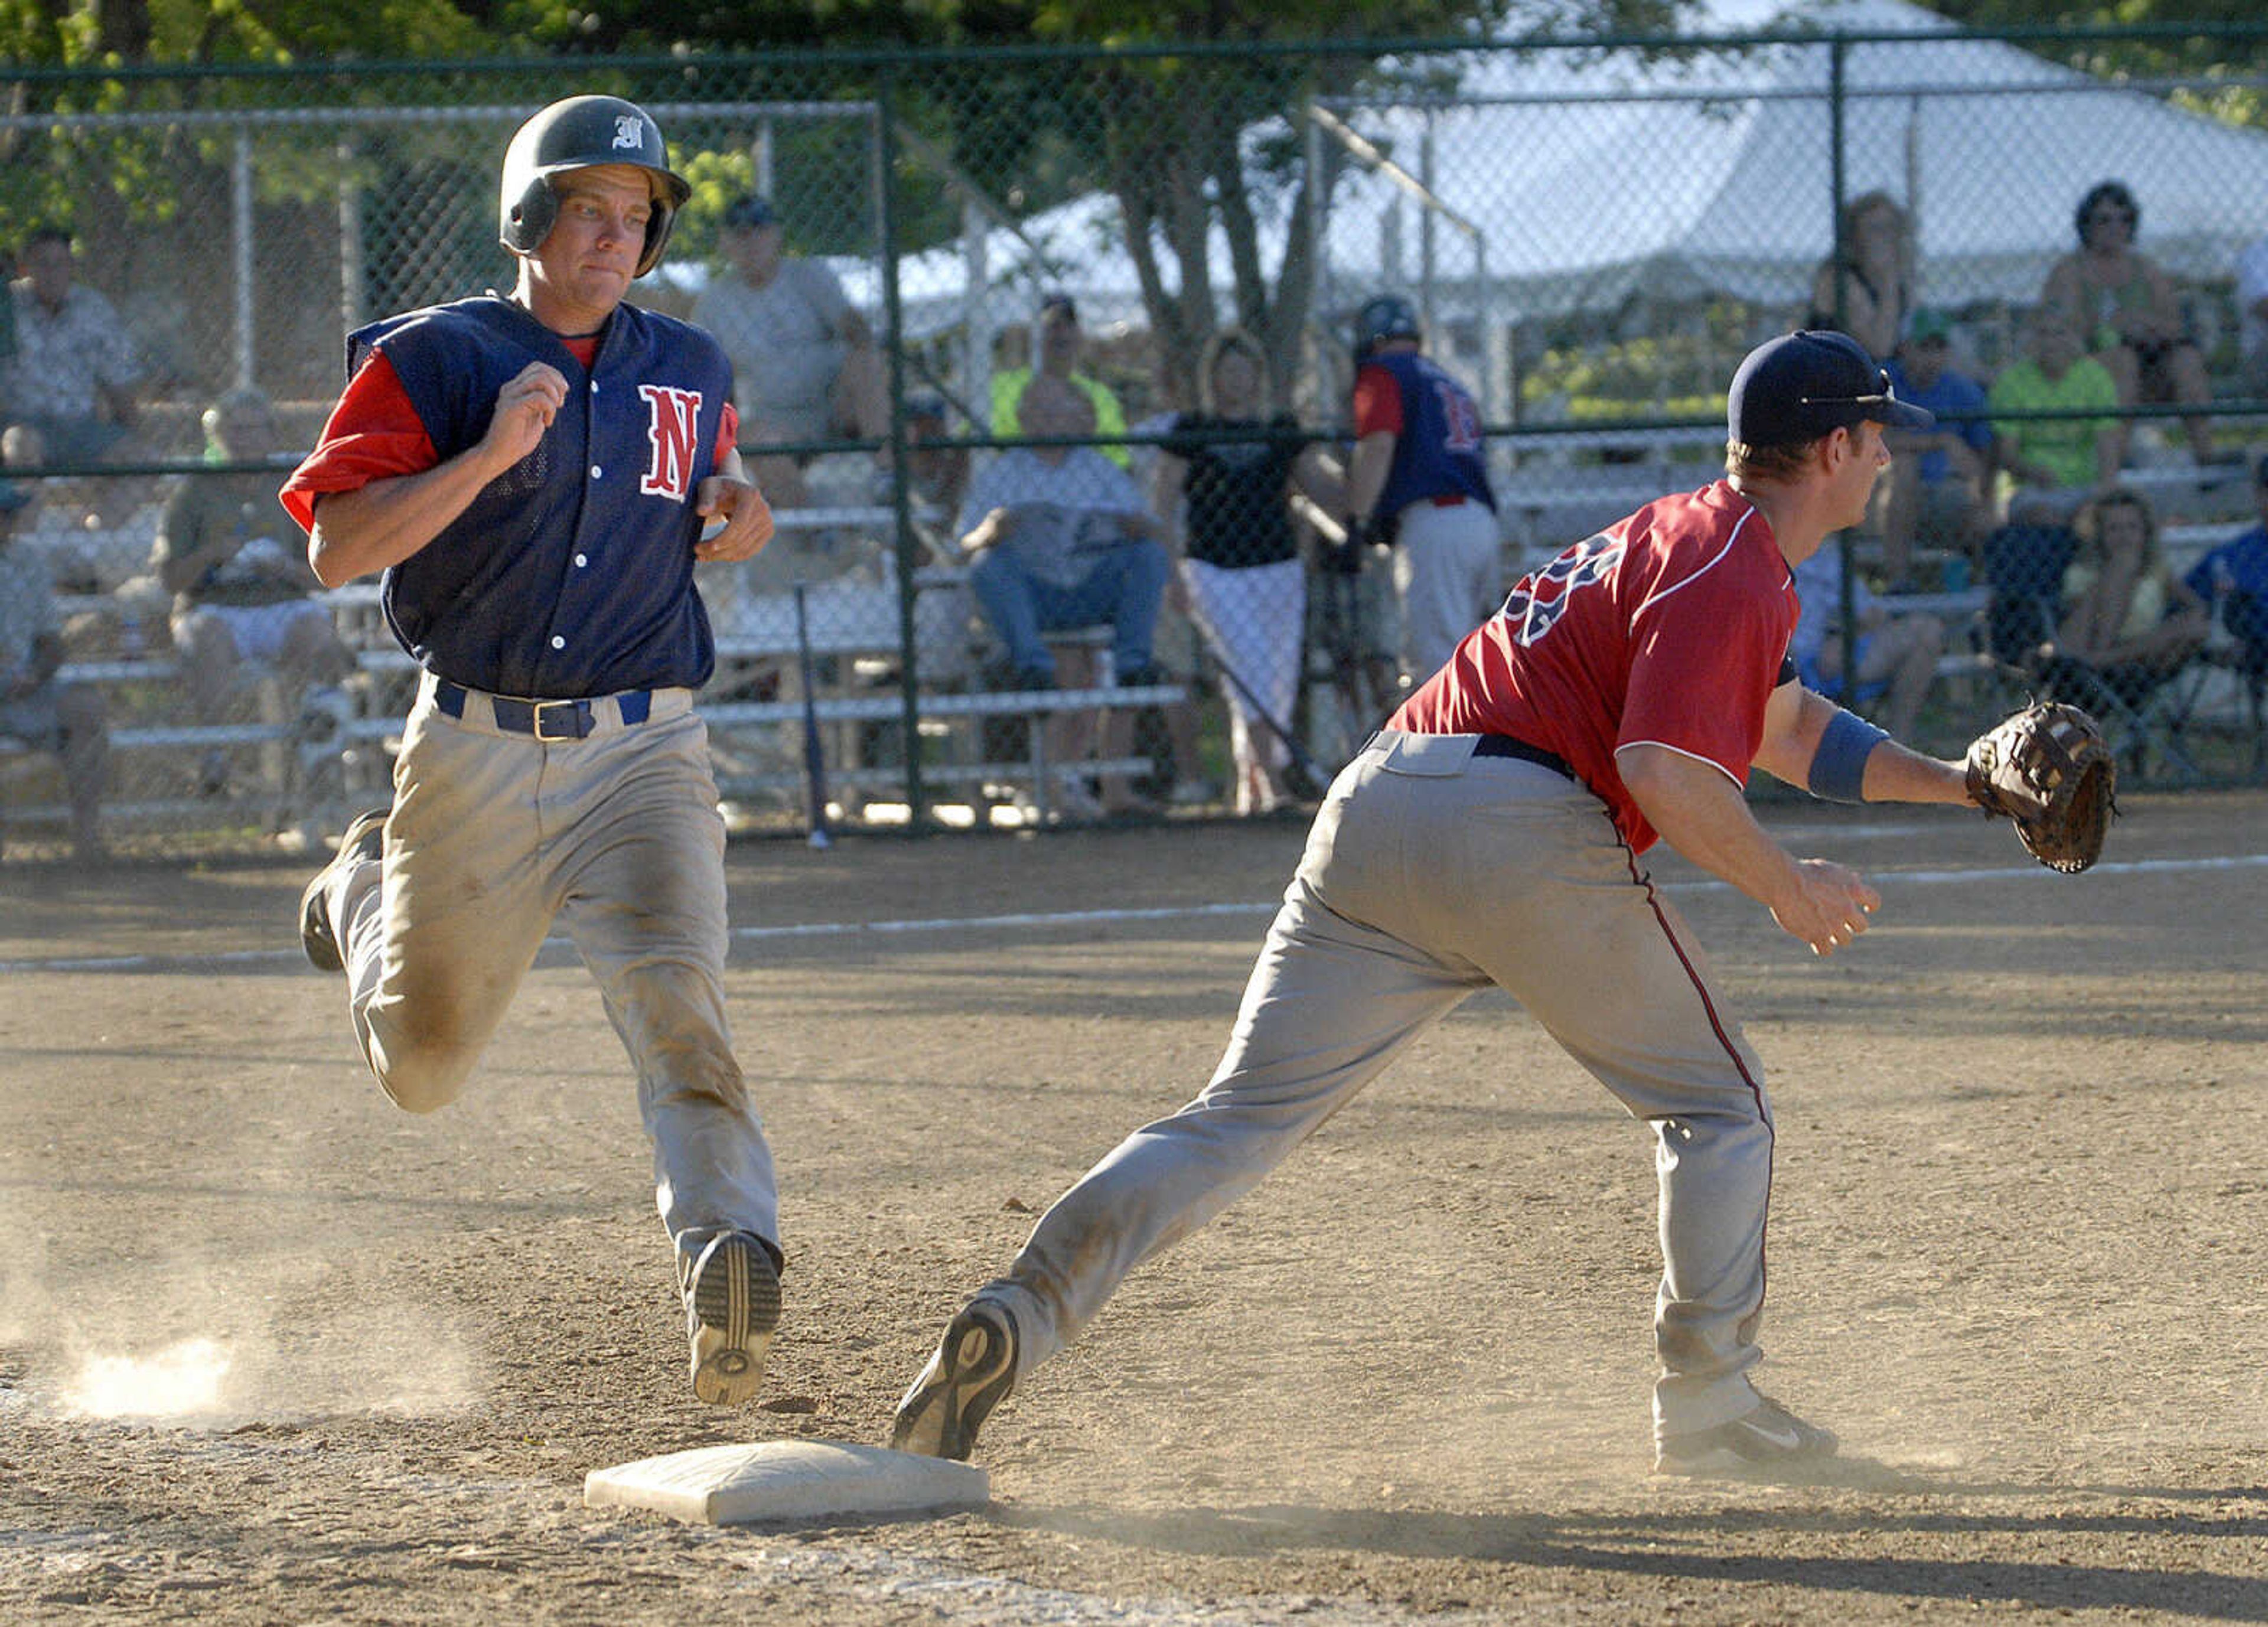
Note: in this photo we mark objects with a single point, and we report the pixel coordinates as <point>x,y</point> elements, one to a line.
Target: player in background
<point>534,474</point>
<point>1418,483</point>
<point>1491,835</point>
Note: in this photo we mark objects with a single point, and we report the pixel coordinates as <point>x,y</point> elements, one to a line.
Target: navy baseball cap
<point>1804,384</point>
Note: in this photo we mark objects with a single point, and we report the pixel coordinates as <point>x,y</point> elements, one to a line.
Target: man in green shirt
<point>1055,342</point>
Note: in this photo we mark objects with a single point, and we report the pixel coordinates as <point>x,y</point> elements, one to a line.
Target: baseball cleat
<point>732,1305</point>
<point>1759,1442</point>
<point>364,838</point>
<point>972,1373</point>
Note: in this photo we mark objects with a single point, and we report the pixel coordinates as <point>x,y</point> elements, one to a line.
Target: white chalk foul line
<point>1035,919</point>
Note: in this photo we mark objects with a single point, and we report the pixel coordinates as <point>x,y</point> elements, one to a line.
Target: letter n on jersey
<point>673,418</point>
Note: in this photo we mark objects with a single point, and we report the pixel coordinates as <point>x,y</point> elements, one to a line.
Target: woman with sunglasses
<point>2123,305</point>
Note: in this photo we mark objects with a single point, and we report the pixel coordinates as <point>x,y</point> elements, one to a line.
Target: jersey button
<point>595,471</point>
<point>557,642</point>
<point>581,560</point>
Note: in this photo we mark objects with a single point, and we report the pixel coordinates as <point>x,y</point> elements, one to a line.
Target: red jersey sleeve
<point>1377,402</point>
<point>373,434</point>
<point>1705,656</point>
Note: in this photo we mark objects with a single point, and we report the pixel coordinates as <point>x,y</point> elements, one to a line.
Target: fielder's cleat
<point>971,1373</point>
<point>365,838</point>
<point>732,1305</point>
<point>1761,1442</point>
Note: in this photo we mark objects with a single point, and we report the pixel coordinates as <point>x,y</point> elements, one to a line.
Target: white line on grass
<point>1031,919</point>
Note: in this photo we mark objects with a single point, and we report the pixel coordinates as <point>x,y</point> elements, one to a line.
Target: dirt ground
<point>2019,1261</point>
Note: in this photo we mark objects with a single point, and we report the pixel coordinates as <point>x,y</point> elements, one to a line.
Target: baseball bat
<point>814,754</point>
<point>1315,514</point>
<point>1259,707</point>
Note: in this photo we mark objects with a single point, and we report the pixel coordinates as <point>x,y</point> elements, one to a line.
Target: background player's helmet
<point>1383,317</point>
<point>581,133</point>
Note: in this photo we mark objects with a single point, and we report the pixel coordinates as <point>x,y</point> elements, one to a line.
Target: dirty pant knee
<point>419,1074</point>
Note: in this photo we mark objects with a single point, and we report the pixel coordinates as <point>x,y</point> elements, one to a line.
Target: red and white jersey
<point>1669,628</point>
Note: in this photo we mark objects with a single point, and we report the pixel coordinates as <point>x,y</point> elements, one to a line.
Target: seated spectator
<point>2123,307</point>
<point>1895,655</point>
<point>36,709</point>
<point>1061,540</point>
<point>2024,562</point>
<point>2129,623</point>
<point>937,476</point>
<point>805,364</point>
<point>243,595</point>
<point>1059,344</point>
<point>2060,458</point>
<point>72,381</point>
<point>1867,292</point>
<point>2252,316</point>
<point>1937,484</point>
<point>2234,578</point>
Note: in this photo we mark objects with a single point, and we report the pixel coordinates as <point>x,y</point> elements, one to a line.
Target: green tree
<point>2212,43</point>
<point>1168,135</point>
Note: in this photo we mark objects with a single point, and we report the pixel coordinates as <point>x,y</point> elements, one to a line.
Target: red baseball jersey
<point>1669,628</point>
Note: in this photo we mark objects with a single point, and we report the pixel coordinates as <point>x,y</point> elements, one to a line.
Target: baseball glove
<point>2048,769</point>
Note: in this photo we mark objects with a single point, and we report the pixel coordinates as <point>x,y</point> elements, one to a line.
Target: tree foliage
<point>2215,43</point>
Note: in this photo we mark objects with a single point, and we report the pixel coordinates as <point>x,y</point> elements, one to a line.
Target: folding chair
<point>2238,648</point>
<point>2139,708</point>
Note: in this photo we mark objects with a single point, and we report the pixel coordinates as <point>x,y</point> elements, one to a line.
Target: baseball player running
<point>1417,481</point>
<point>533,474</point>
<point>1492,834</point>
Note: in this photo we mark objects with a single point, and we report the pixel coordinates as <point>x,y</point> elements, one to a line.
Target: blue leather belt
<point>546,720</point>
<point>1505,745</point>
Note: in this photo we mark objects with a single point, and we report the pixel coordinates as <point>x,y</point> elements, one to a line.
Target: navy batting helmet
<point>582,133</point>
<point>1383,317</point>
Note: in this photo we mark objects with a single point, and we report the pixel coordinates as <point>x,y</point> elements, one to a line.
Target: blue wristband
<point>1838,768</point>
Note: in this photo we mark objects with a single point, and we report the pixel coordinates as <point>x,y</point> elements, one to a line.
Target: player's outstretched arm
<point>387,522</point>
<point>1700,812</point>
<point>1796,723</point>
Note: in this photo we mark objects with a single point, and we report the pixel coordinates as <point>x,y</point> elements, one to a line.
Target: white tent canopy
<point>1588,179</point>
<point>1592,180</point>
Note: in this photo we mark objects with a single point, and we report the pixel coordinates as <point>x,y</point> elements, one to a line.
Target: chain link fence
<point>1590,235</point>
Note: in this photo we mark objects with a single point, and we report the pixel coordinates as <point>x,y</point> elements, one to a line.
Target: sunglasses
<point>1888,393</point>
<point>2126,215</point>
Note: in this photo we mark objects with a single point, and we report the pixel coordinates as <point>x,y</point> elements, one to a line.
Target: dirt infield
<point>2019,1261</point>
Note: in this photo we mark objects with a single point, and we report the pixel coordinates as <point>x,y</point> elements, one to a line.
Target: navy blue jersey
<point>571,573</point>
<point>1437,443</point>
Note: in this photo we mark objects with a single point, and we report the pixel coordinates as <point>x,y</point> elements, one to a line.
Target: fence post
<point>886,150</point>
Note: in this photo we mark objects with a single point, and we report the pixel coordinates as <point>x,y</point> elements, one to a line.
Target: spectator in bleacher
<point>805,363</point>
<point>36,709</point>
<point>2059,459</point>
<point>1867,292</point>
<point>2235,576</point>
<point>243,593</point>
<point>937,474</point>
<point>1241,567</point>
<point>2252,316</point>
<point>2123,307</point>
<point>1897,654</point>
<point>71,380</point>
<point>2129,623</point>
<point>1937,484</point>
<point>1058,342</point>
<point>1061,540</point>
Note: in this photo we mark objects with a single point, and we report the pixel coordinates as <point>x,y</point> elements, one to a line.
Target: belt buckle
<point>575,726</point>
